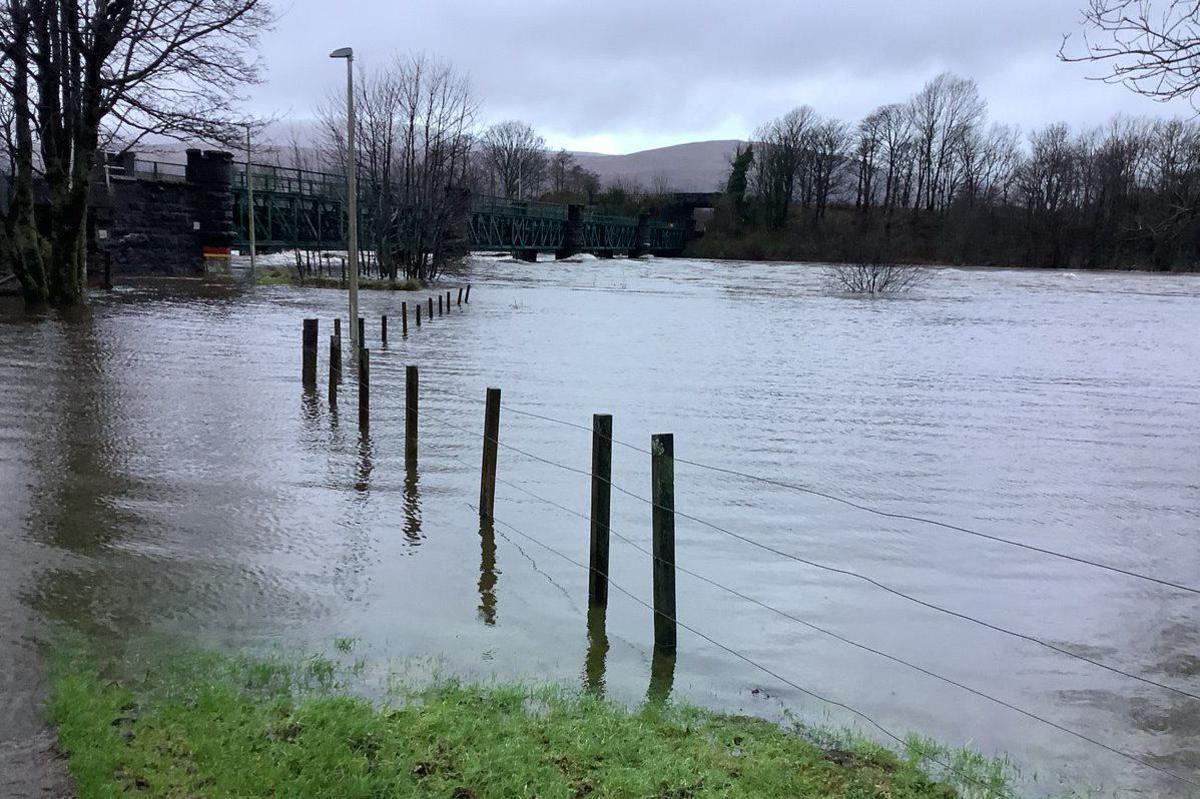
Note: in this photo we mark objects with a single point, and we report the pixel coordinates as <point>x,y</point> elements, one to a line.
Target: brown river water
<point>164,477</point>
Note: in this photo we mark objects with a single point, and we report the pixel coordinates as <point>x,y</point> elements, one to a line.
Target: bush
<point>873,278</point>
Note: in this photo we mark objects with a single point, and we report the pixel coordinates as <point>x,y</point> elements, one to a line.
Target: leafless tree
<point>83,71</point>
<point>1149,46</point>
<point>896,149</point>
<point>945,110</point>
<point>514,156</point>
<point>416,121</point>
<point>780,146</point>
<point>873,278</point>
<point>826,157</point>
<point>569,181</point>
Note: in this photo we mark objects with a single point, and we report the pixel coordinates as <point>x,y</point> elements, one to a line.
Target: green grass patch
<point>217,726</point>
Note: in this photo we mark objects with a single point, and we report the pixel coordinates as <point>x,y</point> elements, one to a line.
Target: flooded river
<point>165,477</point>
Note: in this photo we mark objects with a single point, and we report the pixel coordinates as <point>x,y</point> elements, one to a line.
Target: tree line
<point>933,179</point>
<point>421,155</point>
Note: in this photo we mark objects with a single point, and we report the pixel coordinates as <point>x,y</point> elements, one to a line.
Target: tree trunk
<point>24,245</point>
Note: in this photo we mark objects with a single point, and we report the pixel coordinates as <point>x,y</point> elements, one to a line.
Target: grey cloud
<point>701,69</point>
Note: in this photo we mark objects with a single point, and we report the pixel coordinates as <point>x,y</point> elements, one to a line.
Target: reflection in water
<point>487,572</point>
<point>310,405</point>
<point>662,676</point>
<point>362,480</point>
<point>597,650</point>
<point>412,504</point>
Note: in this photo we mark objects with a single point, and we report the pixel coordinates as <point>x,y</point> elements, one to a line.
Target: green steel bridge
<point>297,208</point>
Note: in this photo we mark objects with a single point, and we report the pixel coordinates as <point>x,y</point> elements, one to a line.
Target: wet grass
<point>217,726</point>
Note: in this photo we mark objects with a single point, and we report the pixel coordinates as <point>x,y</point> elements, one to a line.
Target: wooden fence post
<point>431,309</point>
<point>601,508</point>
<point>335,367</point>
<point>308,371</point>
<point>439,303</point>
<point>337,327</point>
<point>411,400</point>
<point>364,389</point>
<point>491,442</point>
<point>418,314</point>
<point>467,299</point>
<point>404,318</point>
<point>460,295</point>
<point>383,329</point>
<point>662,494</point>
<point>447,303</point>
<point>362,333</point>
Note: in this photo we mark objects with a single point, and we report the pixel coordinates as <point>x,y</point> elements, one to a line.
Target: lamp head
<point>342,52</point>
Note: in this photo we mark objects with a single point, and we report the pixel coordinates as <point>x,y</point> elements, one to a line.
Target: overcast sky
<point>618,76</point>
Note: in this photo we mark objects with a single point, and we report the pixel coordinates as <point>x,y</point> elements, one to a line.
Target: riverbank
<point>840,242</point>
<point>213,725</point>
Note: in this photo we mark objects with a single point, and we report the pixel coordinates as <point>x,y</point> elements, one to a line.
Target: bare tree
<point>1149,46</point>
<point>780,147</point>
<point>873,278</point>
<point>826,156</point>
<point>514,156</point>
<point>83,71</point>
<point>945,110</point>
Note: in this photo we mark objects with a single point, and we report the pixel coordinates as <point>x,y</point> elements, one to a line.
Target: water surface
<point>166,476</point>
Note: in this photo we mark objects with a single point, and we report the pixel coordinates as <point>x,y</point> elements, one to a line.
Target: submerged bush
<point>873,278</point>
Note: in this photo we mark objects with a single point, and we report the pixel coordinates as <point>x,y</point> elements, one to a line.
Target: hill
<point>694,166</point>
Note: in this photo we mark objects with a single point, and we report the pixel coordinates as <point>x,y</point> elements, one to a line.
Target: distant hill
<point>695,166</point>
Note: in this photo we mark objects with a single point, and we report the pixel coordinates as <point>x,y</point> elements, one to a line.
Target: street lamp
<point>351,195</point>
<point>250,208</point>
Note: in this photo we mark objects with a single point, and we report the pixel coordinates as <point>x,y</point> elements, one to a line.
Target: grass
<point>217,726</point>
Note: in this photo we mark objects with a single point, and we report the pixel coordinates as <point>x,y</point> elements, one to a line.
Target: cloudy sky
<point>623,75</point>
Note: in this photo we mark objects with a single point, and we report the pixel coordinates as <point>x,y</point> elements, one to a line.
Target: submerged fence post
<point>364,389</point>
<point>439,303</point>
<point>337,327</point>
<point>467,299</point>
<point>447,303</point>
<point>418,314</point>
<point>601,509</point>
<point>460,295</point>
<point>410,415</point>
<point>308,371</point>
<point>383,329</point>
<point>431,309</point>
<point>491,441</point>
<point>335,366</point>
<point>362,333</point>
<point>662,494</point>
<point>404,318</point>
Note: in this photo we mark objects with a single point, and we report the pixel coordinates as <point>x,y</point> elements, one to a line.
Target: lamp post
<point>351,195</point>
<point>250,208</point>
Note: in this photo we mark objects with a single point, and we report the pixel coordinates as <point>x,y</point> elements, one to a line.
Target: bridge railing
<point>156,170</point>
<point>289,180</point>
<point>502,206</point>
<point>610,219</point>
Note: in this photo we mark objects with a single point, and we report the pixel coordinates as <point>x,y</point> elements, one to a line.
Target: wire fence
<point>494,440</point>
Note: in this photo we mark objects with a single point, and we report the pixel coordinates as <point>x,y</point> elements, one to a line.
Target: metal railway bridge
<point>296,208</point>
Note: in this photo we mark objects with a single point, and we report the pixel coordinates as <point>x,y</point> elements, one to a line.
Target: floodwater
<point>165,477</point>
